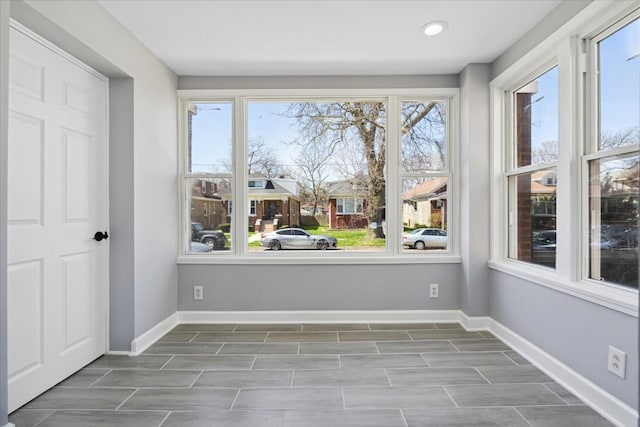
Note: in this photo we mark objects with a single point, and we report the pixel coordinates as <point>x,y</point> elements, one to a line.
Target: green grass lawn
<point>346,237</point>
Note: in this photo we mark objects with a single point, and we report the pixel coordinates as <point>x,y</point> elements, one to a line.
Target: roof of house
<point>427,188</point>
<point>353,187</point>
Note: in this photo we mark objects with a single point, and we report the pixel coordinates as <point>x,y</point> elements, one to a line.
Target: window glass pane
<point>424,213</point>
<point>424,136</point>
<point>619,87</point>
<point>210,132</point>
<point>210,228</point>
<point>536,111</point>
<point>533,217</point>
<point>613,219</point>
<point>315,160</point>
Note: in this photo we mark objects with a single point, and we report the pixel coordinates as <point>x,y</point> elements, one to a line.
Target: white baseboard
<point>9,425</point>
<point>614,410</point>
<point>118,353</point>
<point>476,323</point>
<point>320,316</point>
<point>146,340</point>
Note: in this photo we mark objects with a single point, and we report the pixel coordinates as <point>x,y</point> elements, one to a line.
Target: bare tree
<point>362,125</point>
<point>312,164</point>
<point>261,160</point>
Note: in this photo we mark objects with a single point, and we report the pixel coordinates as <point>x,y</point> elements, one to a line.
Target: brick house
<point>348,203</point>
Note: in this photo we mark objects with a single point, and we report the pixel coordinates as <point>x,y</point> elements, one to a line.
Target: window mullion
<point>240,212</point>
<point>393,214</point>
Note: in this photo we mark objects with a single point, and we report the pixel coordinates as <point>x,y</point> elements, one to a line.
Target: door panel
<point>57,281</point>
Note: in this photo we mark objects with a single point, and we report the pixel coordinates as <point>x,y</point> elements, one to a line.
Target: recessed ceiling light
<point>434,28</point>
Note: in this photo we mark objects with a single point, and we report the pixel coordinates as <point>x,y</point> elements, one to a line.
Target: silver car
<point>296,238</point>
<point>422,238</point>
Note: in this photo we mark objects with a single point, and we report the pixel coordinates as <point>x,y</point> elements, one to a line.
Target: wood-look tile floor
<point>422,374</point>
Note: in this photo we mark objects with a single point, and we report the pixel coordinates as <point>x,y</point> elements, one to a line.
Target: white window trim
<point>239,253</point>
<point>355,212</point>
<point>565,47</point>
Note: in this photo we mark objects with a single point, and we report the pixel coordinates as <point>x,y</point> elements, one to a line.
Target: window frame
<point>239,253</point>
<point>512,170</point>
<point>592,152</point>
<point>568,47</point>
<point>355,200</point>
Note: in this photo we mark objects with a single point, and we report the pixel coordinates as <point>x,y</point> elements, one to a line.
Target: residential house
<point>425,205</point>
<point>273,203</point>
<point>207,206</point>
<point>348,203</point>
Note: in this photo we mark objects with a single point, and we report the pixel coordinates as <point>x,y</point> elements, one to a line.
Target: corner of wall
<point>4,130</point>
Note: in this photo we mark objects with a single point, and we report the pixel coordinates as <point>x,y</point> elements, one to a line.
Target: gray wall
<point>121,214</point>
<point>318,287</point>
<point>574,331</point>
<point>474,177</point>
<point>4,118</point>
<point>143,158</point>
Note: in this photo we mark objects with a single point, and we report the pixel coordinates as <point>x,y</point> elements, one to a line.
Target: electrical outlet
<point>433,290</point>
<point>617,362</point>
<point>198,292</point>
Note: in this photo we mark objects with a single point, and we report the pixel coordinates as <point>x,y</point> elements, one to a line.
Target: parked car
<point>544,240</point>
<point>198,247</point>
<point>296,238</point>
<point>422,238</point>
<point>215,239</point>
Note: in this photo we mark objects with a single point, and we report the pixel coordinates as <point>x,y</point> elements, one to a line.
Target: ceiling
<point>325,37</point>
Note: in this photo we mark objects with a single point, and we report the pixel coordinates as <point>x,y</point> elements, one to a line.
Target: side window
<point>207,173</point>
<point>613,159</point>
<point>531,175</point>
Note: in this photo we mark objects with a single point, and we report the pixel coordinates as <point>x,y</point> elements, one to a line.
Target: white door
<point>57,272</point>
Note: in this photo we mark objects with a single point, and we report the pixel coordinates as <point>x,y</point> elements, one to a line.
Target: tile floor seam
<point>559,397</point>
<point>125,400</point>
<point>344,403</point>
<point>266,336</point>
<point>425,360</point>
<point>196,379</point>
<point>101,377</point>
<point>166,417</point>
<point>454,346</point>
<point>480,373</point>
<point>255,358</point>
<point>293,374</point>
<point>234,399</point>
<point>166,363</point>
<point>194,337</point>
<point>387,375</point>
<point>404,419</point>
<point>449,395</point>
<point>522,416</point>
<point>40,422</point>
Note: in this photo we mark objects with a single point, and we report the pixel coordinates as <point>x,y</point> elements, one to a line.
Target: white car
<point>423,238</point>
<point>296,238</point>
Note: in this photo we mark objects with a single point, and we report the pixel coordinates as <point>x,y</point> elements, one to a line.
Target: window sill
<point>322,259</point>
<point>624,300</point>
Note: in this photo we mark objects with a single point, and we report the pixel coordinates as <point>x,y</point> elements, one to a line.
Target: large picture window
<point>315,175</point>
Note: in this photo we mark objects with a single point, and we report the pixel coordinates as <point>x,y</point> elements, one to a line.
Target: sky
<point>619,95</point>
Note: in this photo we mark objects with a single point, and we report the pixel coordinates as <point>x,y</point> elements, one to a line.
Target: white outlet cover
<point>617,362</point>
